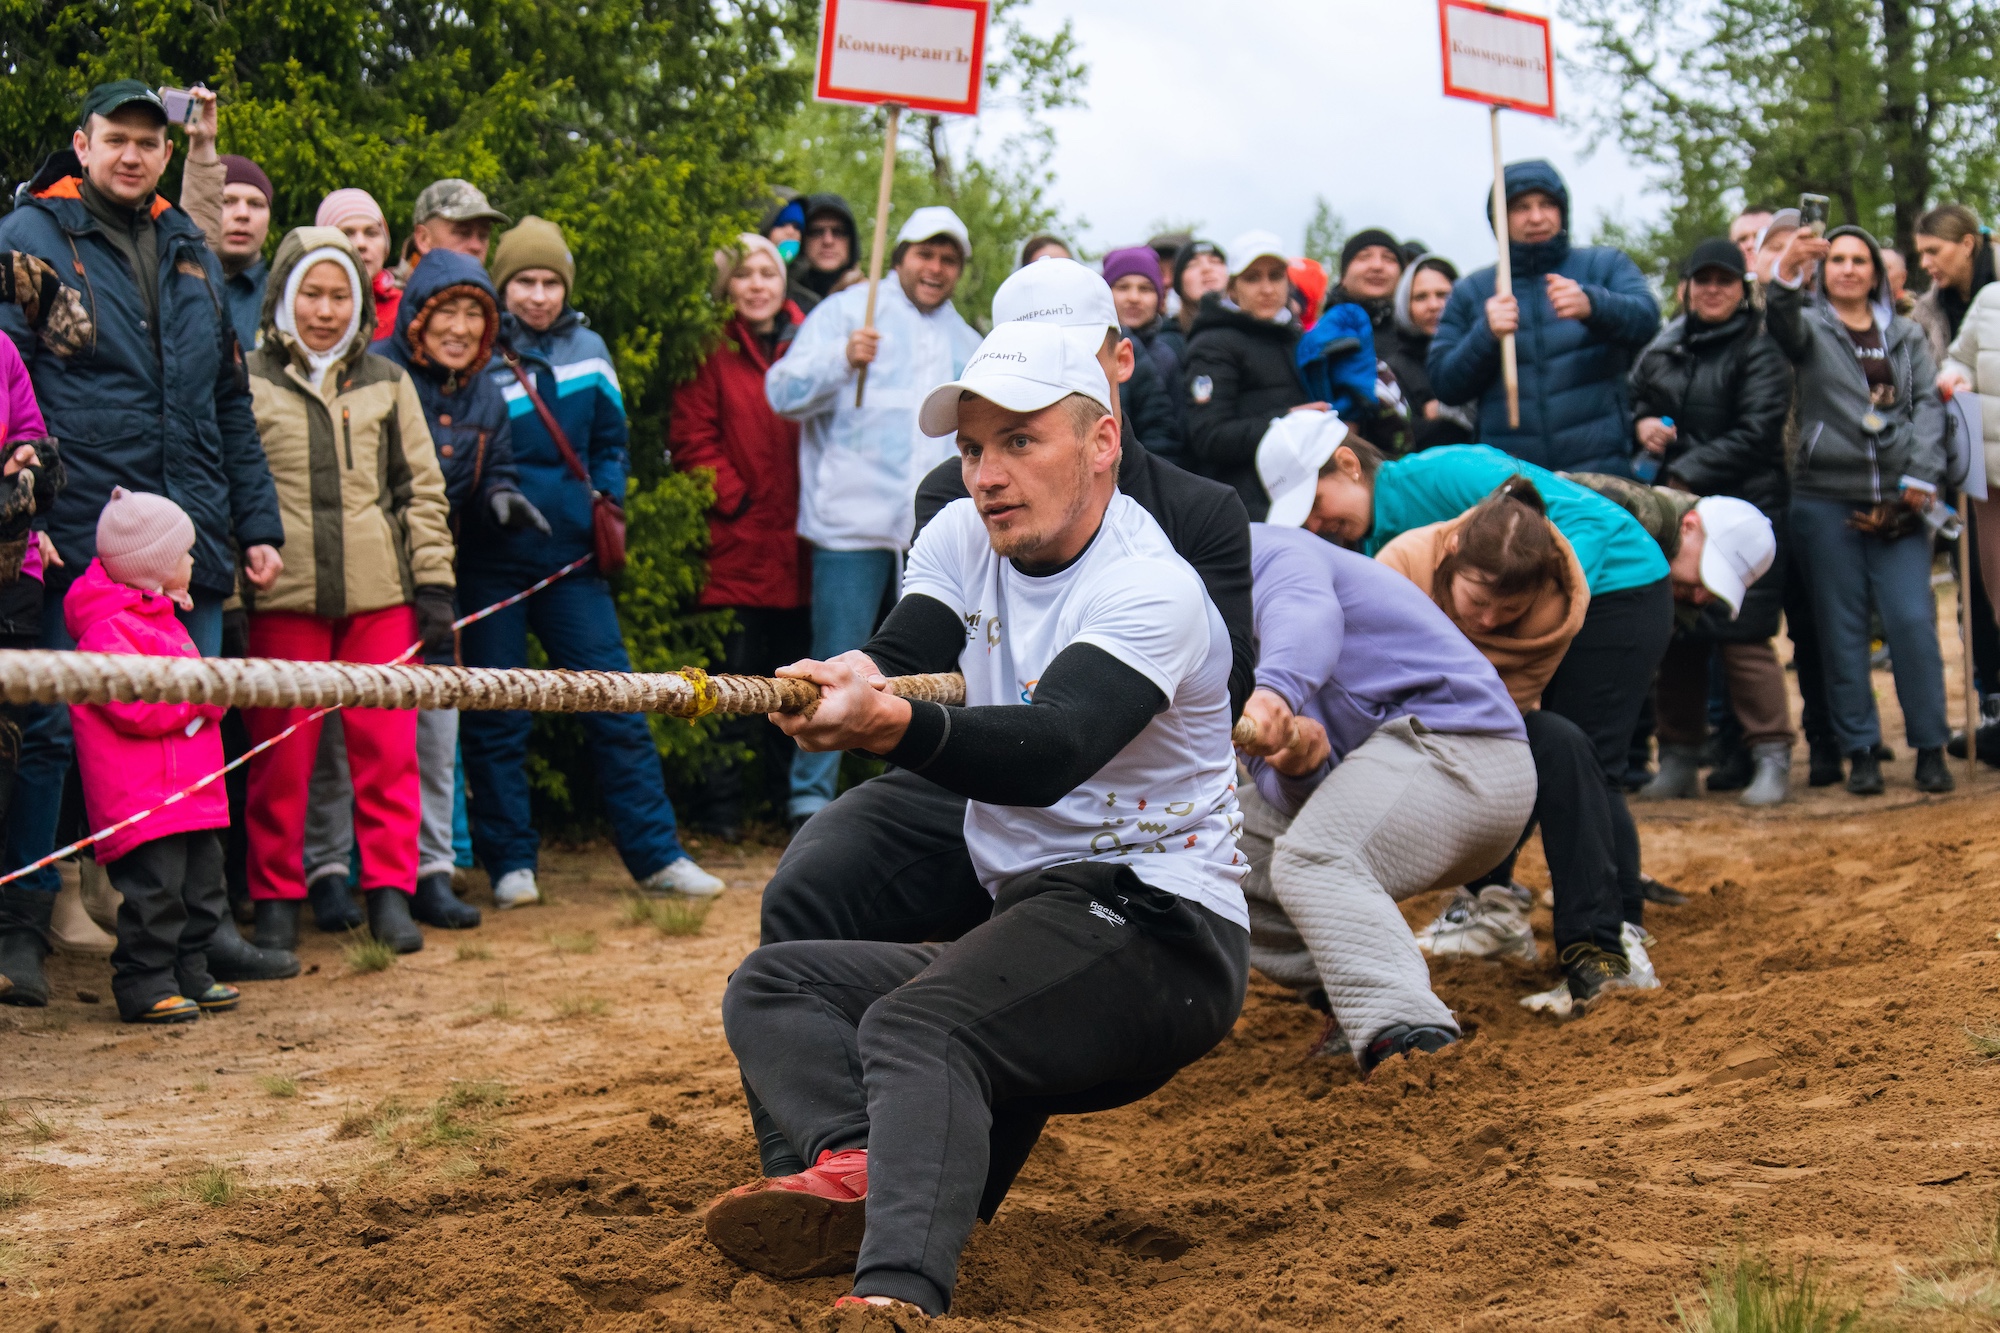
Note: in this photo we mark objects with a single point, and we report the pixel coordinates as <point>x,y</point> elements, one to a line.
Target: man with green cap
<point>155,403</point>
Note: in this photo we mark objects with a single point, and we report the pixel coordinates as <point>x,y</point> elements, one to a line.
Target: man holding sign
<point>859,463</point>
<point>1579,314</point>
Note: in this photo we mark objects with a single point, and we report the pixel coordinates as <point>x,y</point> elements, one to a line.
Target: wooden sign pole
<point>881,230</point>
<point>1503,279</point>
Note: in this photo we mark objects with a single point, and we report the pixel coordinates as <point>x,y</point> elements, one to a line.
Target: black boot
<point>277,924</point>
<point>1734,772</point>
<point>389,920</point>
<point>1932,775</point>
<point>233,958</point>
<point>333,906</point>
<point>1826,767</point>
<point>1864,776</point>
<point>436,905</point>
<point>24,942</point>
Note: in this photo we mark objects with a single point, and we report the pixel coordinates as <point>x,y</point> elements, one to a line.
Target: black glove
<point>434,617</point>
<point>512,512</point>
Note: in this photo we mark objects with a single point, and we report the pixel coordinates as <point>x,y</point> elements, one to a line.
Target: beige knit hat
<point>141,538</point>
<point>533,243</point>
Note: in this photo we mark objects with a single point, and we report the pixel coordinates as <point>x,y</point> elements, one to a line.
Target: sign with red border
<point>929,55</point>
<point>1497,56</point>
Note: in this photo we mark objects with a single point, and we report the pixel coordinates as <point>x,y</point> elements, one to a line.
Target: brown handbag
<point>607,516</point>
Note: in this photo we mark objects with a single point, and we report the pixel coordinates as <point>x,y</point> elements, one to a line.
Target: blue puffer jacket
<point>169,414</point>
<point>575,379</point>
<point>466,412</point>
<point>1575,415</point>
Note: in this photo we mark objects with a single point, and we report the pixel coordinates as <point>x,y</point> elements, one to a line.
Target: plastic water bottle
<point>1646,463</point>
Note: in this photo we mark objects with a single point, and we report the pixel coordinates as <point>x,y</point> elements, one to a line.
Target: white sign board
<point>925,54</point>
<point>1497,56</point>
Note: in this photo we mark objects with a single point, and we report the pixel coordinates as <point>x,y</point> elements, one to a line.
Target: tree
<point>1886,106</point>
<point>1326,232</point>
<point>637,125</point>
<point>997,190</point>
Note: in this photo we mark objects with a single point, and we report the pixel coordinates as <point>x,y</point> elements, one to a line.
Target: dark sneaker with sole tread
<point>1401,1039</point>
<point>804,1225</point>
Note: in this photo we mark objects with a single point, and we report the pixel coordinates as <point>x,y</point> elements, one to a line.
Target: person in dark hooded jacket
<point>1579,315</point>
<point>829,252</point>
<point>1421,296</point>
<point>1240,371</point>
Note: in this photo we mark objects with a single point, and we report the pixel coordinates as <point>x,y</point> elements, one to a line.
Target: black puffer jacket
<point>1240,378</point>
<point>1152,405</point>
<point>1728,388</point>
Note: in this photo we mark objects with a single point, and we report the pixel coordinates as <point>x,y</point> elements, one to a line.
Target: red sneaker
<point>807,1225</point>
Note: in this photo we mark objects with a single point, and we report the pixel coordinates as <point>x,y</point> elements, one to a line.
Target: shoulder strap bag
<point>607,516</point>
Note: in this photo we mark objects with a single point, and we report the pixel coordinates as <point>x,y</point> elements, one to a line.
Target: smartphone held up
<point>1812,213</point>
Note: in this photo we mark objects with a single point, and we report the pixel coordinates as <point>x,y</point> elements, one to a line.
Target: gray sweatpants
<point>329,839</point>
<point>1407,811</point>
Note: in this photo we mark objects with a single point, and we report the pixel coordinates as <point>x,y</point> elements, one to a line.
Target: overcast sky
<point>1235,115</point>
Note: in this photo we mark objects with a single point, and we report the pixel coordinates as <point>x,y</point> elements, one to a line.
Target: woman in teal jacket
<point>1360,499</point>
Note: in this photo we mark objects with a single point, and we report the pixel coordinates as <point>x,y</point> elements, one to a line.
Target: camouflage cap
<point>455,200</point>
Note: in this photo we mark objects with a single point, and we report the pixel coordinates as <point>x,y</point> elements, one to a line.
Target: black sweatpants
<point>174,901</point>
<point>1603,682</point>
<point>1086,989</point>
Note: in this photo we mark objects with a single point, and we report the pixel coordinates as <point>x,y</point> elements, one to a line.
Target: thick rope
<point>39,676</point>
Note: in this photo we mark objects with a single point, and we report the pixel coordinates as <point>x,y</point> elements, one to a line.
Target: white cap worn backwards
<point>1737,548</point>
<point>935,220</point>
<point>1022,367</point>
<point>1057,291</point>
<point>1289,458</point>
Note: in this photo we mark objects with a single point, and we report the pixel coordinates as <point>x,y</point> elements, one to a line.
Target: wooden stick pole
<point>881,230</point>
<point>1503,281</point>
<point>1965,540</point>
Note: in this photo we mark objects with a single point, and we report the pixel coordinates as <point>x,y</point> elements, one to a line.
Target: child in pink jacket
<point>134,756</point>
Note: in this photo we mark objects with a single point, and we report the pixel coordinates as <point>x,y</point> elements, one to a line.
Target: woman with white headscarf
<point>363,502</point>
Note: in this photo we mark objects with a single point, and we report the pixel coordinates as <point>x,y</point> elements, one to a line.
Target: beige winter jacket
<point>358,481</point>
<point>1975,356</point>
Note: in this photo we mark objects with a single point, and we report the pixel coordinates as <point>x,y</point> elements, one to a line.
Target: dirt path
<point>514,1131</point>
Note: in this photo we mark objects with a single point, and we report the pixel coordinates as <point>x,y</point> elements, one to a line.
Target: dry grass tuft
<point>669,916</point>
<point>474,953</point>
<point>20,1189</point>
<point>1747,1294</point>
<point>278,1085</point>
<point>363,954</point>
<point>580,1006</point>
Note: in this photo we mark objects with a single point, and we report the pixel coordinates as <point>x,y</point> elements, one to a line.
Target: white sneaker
<point>516,888</point>
<point>1556,1003</point>
<point>1493,925</point>
<point>683,877</point>
<point>1642,976</point>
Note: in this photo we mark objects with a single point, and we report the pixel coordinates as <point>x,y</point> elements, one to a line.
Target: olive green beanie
<point>532,243</point>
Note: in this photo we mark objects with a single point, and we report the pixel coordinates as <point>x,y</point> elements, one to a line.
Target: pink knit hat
<point>141,538</point>
<point>349,203</point>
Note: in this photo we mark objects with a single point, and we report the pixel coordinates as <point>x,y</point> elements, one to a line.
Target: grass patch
<point>442,1127</point>
<point>364,954</point>
<point>1965,1280</point>
<point>474,953</point>
<point>471,1094</point>
<point>1746,1293</point>
<point>278,1085</point>
<point>1985,1044</point>
<point>459,1168</point>
<point>14,1262</point>
<point>669,916</point>
<point>34,1126</point>
<point>580,941</point>
<point>201,1085</point>
<point>20,1189</point>
<point>213,1185</point>
<point>580,1006</point>
<point>225,1269</point>
<point>377,1121</point>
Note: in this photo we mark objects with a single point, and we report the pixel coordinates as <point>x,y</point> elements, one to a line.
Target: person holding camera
<point>1868,465</point>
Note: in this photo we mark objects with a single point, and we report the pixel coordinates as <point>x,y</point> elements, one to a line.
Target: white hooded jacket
<point>859,467</point>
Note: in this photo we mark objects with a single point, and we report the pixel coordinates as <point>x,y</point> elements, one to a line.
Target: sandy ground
<point>516,1129</point>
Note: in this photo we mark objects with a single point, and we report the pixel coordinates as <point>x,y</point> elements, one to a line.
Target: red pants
<point>381,753</point>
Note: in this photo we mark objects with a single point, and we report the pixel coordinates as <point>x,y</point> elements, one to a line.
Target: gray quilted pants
<point>1407,811</point>
<point>329,841</point>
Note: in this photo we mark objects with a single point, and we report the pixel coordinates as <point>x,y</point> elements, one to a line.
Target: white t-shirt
<point>1166,803</point>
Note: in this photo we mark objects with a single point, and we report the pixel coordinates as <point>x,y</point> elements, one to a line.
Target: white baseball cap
<point>1289,458</point>
<point>1252,246</point>
<point>935,220</point>
<point>1022,367</point>
<point>1737,547</point>
<point>1057,291</point>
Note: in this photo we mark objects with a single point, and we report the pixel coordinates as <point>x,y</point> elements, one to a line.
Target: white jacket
<point>1975,354</point>
<point>859,467</point>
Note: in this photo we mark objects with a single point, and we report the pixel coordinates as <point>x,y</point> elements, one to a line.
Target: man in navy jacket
<point>1579,314</point>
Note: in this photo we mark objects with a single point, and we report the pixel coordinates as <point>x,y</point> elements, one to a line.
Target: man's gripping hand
<point>856,710</point>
